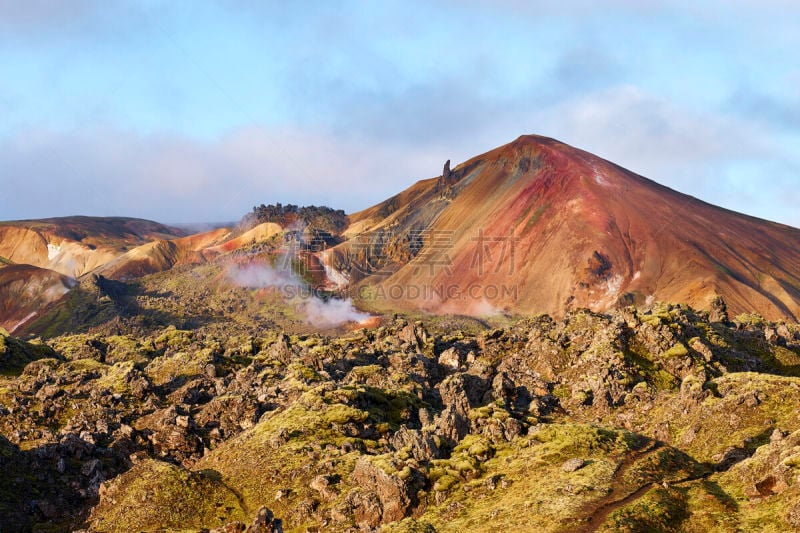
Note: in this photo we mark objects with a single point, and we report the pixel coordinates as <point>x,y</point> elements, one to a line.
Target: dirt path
<point>598,518</point>
<point>600,510</point>
<point>597,512</point>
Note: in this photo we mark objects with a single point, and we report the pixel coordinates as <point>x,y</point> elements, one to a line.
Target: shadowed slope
<point>26,291</point>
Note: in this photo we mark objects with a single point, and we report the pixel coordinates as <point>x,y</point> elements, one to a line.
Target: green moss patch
<point>154,496</point>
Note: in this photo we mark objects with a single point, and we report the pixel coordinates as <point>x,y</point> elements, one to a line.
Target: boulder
<point>265,522</point>
<point>453,423</point>
<point>396,494</point>
<point>572,465</point>
<point>322,484</point>
<point>422,445</point>
<point>450,359</point>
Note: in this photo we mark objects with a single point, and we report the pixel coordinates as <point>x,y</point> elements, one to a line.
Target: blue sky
<point>195,111</point>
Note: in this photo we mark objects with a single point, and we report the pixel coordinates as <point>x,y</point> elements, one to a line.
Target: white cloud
<point>174,179</point>
<point>626,123</point>
<point>719,159</point>
<point>104,171</point>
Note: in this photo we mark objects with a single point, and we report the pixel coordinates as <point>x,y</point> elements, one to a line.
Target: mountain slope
<point>25,291</point>
<point>162,255</point>
<point>539,226</point>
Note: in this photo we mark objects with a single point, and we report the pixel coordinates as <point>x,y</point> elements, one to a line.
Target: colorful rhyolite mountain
<point>535,226</point>
<point>73,246</point>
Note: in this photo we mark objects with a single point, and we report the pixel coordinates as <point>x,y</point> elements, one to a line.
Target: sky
<point>195,111</point>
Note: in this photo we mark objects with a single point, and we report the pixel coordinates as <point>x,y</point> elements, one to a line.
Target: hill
<point>539,226</point>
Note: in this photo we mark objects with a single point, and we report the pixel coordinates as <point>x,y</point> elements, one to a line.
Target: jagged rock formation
<point>448,179</point>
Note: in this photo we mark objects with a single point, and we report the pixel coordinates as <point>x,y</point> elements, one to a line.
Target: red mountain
<point>539,226</point>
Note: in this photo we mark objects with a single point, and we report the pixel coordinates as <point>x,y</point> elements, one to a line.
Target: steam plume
<point>316,311</point>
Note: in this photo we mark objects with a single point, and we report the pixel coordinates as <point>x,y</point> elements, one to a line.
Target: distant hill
<point>76,245</point>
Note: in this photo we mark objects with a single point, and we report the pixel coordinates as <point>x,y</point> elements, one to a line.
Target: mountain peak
<point>566,210</point>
